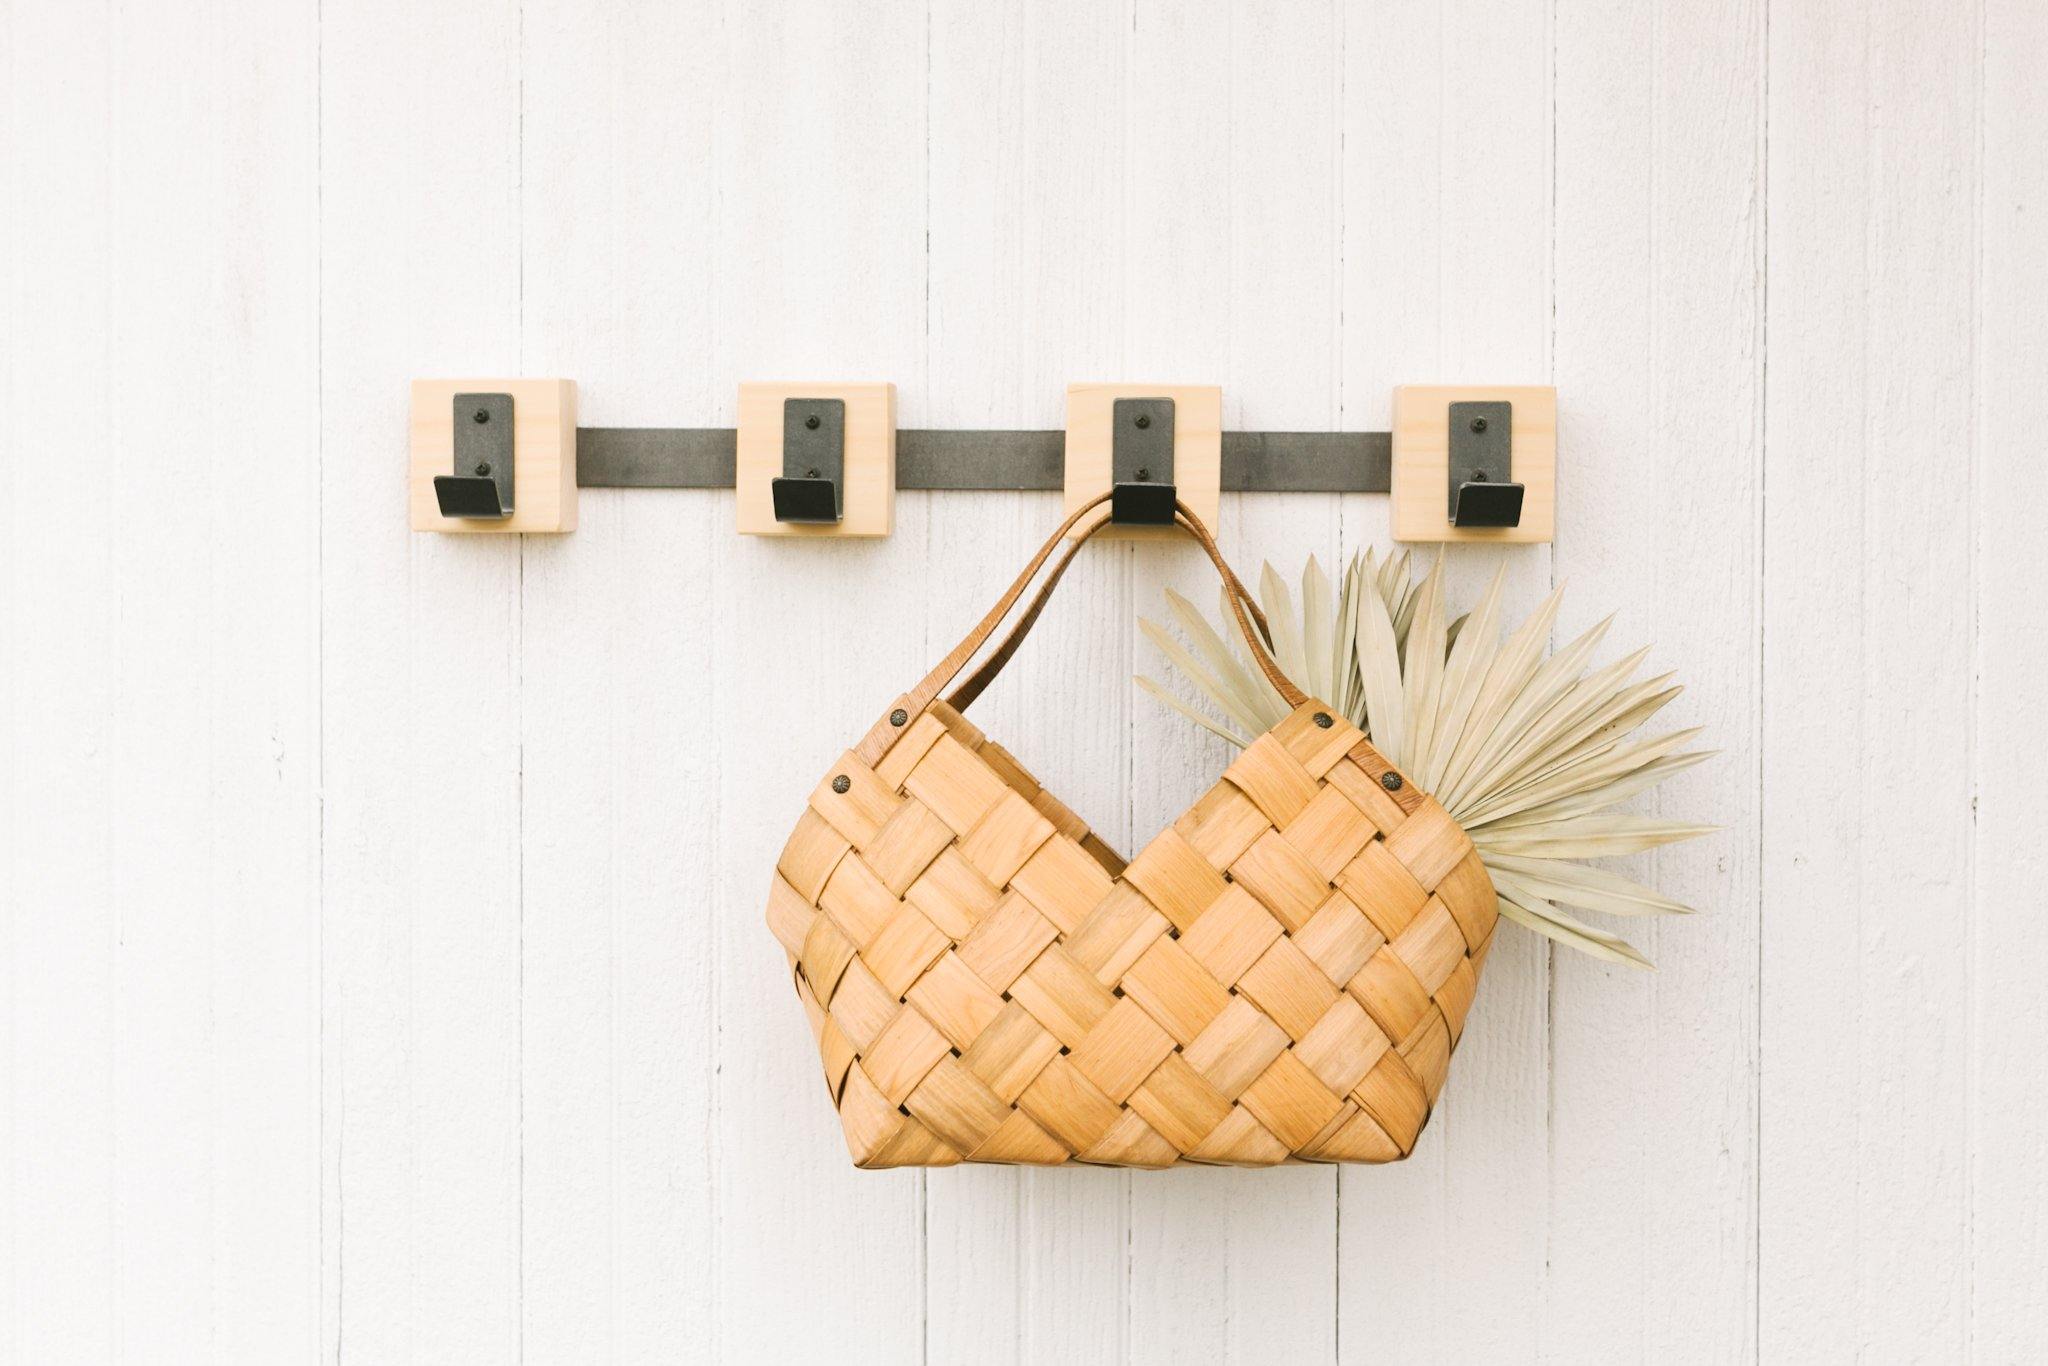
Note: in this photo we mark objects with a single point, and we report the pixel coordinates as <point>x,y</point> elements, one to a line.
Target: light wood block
<point>543,453</point>
<point>1197,449</point>
<point>868,503</point>
<point>1422,453</point>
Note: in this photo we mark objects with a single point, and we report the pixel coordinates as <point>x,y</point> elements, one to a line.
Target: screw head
<point>1322,720</point>
<point>1478,424</point>
<point>812,422</point>
<point>1144,420</point>
<point>810,474</point>
<point>898,717</point>
<point>1144,474</point>
<point>483,469</point>
<point>1479,476</point>
<point>1391,781</point>
<point>482,415</point>
<point>841,784</point>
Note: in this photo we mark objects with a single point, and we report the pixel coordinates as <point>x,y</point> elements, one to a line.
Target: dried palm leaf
<point>1529,754</point>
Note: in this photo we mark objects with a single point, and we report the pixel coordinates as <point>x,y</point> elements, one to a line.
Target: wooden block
<point>543,453</point>
<point>868,502</point>
<point>1197,449</point>
<point>1422,452</point>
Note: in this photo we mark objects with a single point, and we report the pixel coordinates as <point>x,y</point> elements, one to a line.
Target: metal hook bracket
<point>1141,489</point>
<point>481,486</point>
<point>813,480</point>
<point>1483,491</point>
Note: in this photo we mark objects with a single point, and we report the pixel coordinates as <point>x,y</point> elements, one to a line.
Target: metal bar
<point>1307,462</point>
<point>1011,461</point>
<point>1253,462</point>
<point>656,457</point>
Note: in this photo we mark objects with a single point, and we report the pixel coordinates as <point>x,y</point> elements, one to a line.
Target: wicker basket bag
<point>1279,975</point>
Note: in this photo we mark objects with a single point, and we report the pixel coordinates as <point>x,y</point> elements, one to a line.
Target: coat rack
<point>825,459</point>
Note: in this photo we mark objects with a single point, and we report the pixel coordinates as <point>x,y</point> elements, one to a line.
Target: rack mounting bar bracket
<point>1253,462</point>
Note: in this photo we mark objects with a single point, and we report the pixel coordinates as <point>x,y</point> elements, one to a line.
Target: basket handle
<point>917,699</point>
<point>963,695</point>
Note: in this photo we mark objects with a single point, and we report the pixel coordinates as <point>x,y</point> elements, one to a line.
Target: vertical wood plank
<point>420,694</point>
<point>213,436</point>
<point>819,234</point>
<point>1175,327</point>
<point>159,920</point>
<point>1447,278</point>
<point>1025,276</point>
<point>58,1295</point>
<point>618,972</point>
<point>2008,1309</point>
<point>1231,248</point>
<point>1652,1239</point>
<point>1873,183</point>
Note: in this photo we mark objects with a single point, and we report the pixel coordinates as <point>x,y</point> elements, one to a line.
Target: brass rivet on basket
<point>898,717</point>
<point>1322,718</point>
<point>842,783</point>
<point>1391,781</point>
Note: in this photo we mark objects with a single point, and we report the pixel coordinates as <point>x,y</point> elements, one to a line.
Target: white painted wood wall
<point>382,975</point>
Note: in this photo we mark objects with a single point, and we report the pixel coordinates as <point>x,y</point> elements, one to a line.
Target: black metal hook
<point>1141,487</point>
<point>813,461</point>
<point>1483,491</point>
<point>481,486</point>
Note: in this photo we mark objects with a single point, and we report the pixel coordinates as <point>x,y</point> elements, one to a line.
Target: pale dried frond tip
<point>1530,753</point>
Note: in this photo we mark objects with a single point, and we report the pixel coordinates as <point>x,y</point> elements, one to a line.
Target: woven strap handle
<point>917,699</point>
<point>985,673</point>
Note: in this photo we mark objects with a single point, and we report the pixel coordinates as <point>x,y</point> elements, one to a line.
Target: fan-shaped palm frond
<point>1530,754</point>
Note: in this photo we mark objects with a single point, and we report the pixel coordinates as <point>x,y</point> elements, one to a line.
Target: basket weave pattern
<point>1280,975</point>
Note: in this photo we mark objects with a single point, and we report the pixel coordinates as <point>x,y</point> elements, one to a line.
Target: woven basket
<point>1280,975</point>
